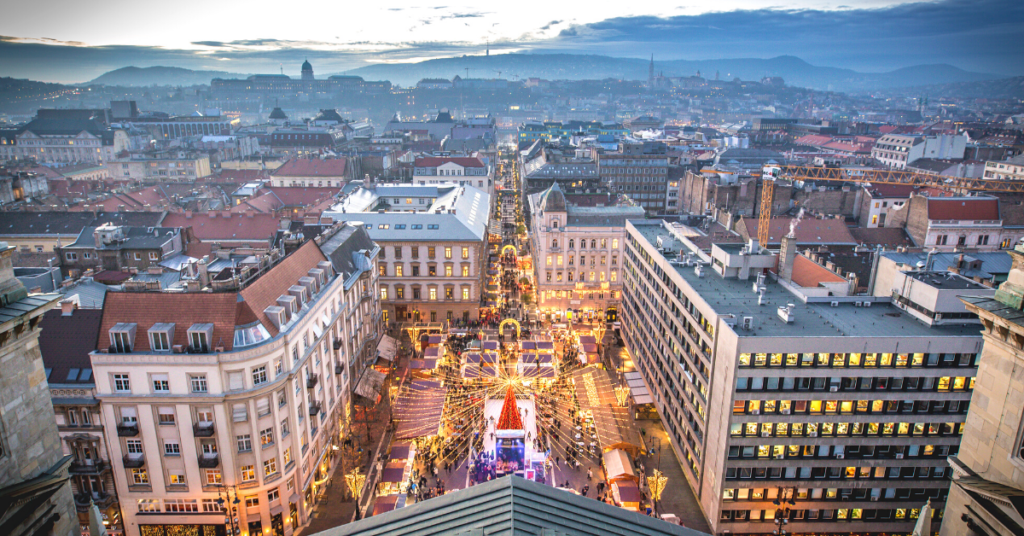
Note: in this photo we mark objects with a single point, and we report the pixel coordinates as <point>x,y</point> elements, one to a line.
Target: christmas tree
<point>510,419</point>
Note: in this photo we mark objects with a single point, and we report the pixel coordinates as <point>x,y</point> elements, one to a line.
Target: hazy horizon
<point>867,36</point>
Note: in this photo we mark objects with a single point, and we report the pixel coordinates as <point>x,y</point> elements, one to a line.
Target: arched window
<point>571,243</point>
<point>593,243</point>
<point>554,224</point>
<point>554,243</point>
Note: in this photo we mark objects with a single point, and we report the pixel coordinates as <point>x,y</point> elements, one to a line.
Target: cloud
<point>568,32</point>
<point>979,35</point>
<point>550,24</point>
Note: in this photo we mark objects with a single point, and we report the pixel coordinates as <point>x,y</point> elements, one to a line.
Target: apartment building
<point>639,170</point>
<point>462,170</point>
<point>432,263</point>
<point>160,166</point>
<point>1011,169</point>
<point>988,481</point>
<point>898,150</point>
<point>237,388</point>
<point>578,252</point>
<point>787,404</point>
<point>958,223</point>
<point>68,334</point>
<point>120,248</point>
<point>64,137</point>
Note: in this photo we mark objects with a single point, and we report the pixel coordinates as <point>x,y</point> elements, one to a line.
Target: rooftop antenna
<point>282,68</point>
<point>467,72</point>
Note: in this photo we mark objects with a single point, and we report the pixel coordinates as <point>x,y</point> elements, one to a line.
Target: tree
<point>520,229</point>
<point>527,298</point>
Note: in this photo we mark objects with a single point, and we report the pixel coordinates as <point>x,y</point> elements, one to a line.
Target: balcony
<point>314,408</point>
<point>311,380</point>
<point>209,460</point>
<point>134,461</point>
<point>125,429</point>
<point>88,467</point>
<point>202,429</point>
<point>338,369</point>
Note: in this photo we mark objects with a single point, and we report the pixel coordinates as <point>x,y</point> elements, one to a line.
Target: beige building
<point>432,263</point>
<point>34,488</point>
<point>162,166</point>
<point>64,137</point>
<point>239,391</point>
<point>578,252</point>
<point>1007,170</point>
<point>987,495</point>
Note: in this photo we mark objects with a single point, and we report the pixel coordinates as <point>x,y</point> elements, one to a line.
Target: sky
<point>70,41</point>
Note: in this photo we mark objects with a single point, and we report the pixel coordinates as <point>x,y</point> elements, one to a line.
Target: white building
<point>1007,170</point>
<point>62,137</point>
<point>898,150</point>
<point>465,171</point>
<point>578,252</point>
<point>242,390</point>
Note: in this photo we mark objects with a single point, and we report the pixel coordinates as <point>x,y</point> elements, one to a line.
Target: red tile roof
<point>214,226</point>
<point>963,209</point>
<point>815,140</point>
<point>303,197</point>
<point>808,231</point>
<point>313,167</point>
<point>266,203</point>
<point>809,274</point>
<point>464,161</point>
<point>238,176</point>
<point>183,310</point>
<point>265,291</point>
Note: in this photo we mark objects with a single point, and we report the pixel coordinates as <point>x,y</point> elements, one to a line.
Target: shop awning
<point>489,357</point>
<point>588,339</point>
<point>417,364</point>
<point>545,345</point>
<point>400,452</point>
<point>628,492</point>
<point>492,272</point>
<point>490,345</point>
<point>385,503</point>
<point>638,391</point>
<point>393,473</point>
<point>618,466</point>
<point>431,352</point>
<point>477,371</point>
<point>473,358</point>
<point>434,339</point>
<point>528,345</point>
<point>590,348</point>
<point>387,348</point>
<point>369,385</point>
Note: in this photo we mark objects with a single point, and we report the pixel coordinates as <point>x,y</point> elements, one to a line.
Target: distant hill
<point>160,76</point>
<point>795,71</point>
<point>1004,88</point>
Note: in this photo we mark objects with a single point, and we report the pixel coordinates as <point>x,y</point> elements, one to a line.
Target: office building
<point>237,387</point>
<point>788,401</point>
<point>639,170</point>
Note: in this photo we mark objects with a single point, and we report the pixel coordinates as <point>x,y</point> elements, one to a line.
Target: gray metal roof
<point>467,223</point>
<point>26,305</point>
<point>993,263</point>
<point>510,506</point>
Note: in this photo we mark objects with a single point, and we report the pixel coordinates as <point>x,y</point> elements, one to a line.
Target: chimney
<point>188,214</point>
<point>787,255</point>
<point>67,307</point>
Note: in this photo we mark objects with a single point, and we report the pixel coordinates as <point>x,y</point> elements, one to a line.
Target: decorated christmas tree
<point>509,418</point>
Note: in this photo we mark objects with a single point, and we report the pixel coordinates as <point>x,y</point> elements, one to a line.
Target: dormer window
<point>199,337</point>
<point>319,276</point>
<point>300,293</point>
<point>161,336</point>
<point>290,304</point>
<point>277,315</point>
<point>309,283</point>
<point>328,269</point>
<point>122,337</point>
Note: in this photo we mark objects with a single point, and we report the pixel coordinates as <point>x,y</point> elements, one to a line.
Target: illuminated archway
<point>508,247</point>
<point>501,327</point>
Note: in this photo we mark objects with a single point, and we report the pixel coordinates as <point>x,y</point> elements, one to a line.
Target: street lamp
<point>656,482</point>
<point>230,508</point>
<point>622,395</point>
<point>355,481</point>
<point>785,496</point>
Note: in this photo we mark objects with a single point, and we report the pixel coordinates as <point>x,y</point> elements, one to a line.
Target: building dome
<point>278,113</point>
<point>552,200</point>
<point>306,66</point>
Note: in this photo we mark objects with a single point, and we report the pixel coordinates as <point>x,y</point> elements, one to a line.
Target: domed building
<point>307,71</point>
<point>278,117</point>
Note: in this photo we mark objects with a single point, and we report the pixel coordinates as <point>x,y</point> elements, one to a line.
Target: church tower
<point>650,72</point>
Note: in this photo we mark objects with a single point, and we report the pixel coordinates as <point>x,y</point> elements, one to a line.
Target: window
<point>259,375</point>
<point>138,256</point>
<point>465,270</point>
<point>160,337</point>
<point>284,428</point>
<point>447,252</point>
<point>433,294</point>
<point>149,505</point>
<point>465,253</point>
<point>176,479</point>
<point>154,256</point>
<point>141,478</point>
<point>172,448</point>
<point>160,383</point>
<point>267,437</point>
<point>465,293</point>
<point>198,383</point>
<point>165,416</point>
<point>270,467</point>
<point>211,506</point>
<point>122,337</point>
<point>273,495</point>
<point>71,256</point>
<point>431,251</point>
<point>213,477</point>
<point>287,455</point>
<point>383,293</point>
<point>398,270</point>
<point>252,501</point>
<point>122,384</point>
<point>244,443</point>
<point>399,293</point>
<point>248,473</point>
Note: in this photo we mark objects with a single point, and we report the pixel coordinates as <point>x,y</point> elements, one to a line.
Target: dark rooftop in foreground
<point>510,506</point>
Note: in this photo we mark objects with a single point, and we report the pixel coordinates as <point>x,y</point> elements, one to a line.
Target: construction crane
<point>887,176</point>
<point>764,213</point>
<point>499,73</point>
